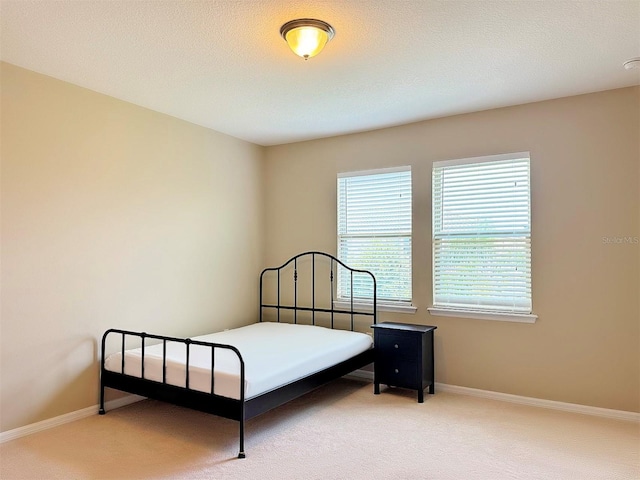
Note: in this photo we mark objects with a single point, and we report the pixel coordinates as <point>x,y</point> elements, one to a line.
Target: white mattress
<point>274,354</point>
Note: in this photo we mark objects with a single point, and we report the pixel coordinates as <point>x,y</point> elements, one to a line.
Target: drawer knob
<point>396,370</point>
<point>396,345</point>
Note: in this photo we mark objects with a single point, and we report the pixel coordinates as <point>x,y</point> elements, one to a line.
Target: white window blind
<point>482,234</point>
<point>374,233</point>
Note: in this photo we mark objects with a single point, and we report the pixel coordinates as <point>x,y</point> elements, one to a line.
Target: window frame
<point>477,312</point>
<point>401,306</point>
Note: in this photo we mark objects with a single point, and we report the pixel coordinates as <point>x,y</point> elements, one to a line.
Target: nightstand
<point>404,357</point>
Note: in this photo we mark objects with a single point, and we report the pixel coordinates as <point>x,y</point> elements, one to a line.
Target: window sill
<point>483,315</point>
<point>382,306</point>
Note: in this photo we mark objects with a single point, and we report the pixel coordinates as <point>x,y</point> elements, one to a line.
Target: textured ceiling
<point>222,64</point>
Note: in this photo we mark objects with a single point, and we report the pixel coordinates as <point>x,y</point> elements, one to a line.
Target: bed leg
<point>101,410</point>
<point>241,454</point>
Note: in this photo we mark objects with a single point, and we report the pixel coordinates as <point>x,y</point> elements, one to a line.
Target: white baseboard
<point>358,374</point>
<point>66,418</point>
<point>539,402</point>
<point>534,402</point>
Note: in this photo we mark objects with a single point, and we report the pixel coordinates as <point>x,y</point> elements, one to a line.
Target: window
<point>482,235</point>
<point>374,233</point>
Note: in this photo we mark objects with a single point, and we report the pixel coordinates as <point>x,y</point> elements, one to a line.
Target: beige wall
<point>116,216</point>
<point>585,167</point>
<point>112,216</point>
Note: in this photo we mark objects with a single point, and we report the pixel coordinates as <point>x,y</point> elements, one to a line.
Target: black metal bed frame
<point>241,409</point>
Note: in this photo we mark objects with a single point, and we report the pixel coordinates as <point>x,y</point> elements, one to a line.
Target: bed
<point>300,342</point>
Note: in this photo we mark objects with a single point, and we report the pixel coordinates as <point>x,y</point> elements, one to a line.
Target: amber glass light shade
<point>307,37</point>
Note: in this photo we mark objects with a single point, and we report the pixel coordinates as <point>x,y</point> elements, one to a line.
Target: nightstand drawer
<point>399,374</point>
<point>399,345</point>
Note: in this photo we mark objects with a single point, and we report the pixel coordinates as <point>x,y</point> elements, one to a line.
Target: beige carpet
<point>341,431</point>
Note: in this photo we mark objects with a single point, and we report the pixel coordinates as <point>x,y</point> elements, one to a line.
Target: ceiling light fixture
<point>307,36</point>
<point>632,63</point>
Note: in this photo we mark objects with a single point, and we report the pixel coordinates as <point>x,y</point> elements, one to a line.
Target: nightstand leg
<point>420,396</point>
<point>432,369</point>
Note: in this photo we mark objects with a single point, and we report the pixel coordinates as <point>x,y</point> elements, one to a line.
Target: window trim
<point>375,171</point>
<point>483,315</point>
<point>383,306</point>
<point>482,159</point>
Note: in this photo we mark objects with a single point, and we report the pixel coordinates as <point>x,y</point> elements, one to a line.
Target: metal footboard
<point>184,396</point>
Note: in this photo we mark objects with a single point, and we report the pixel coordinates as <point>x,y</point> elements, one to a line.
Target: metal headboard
<point>334,263</point>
